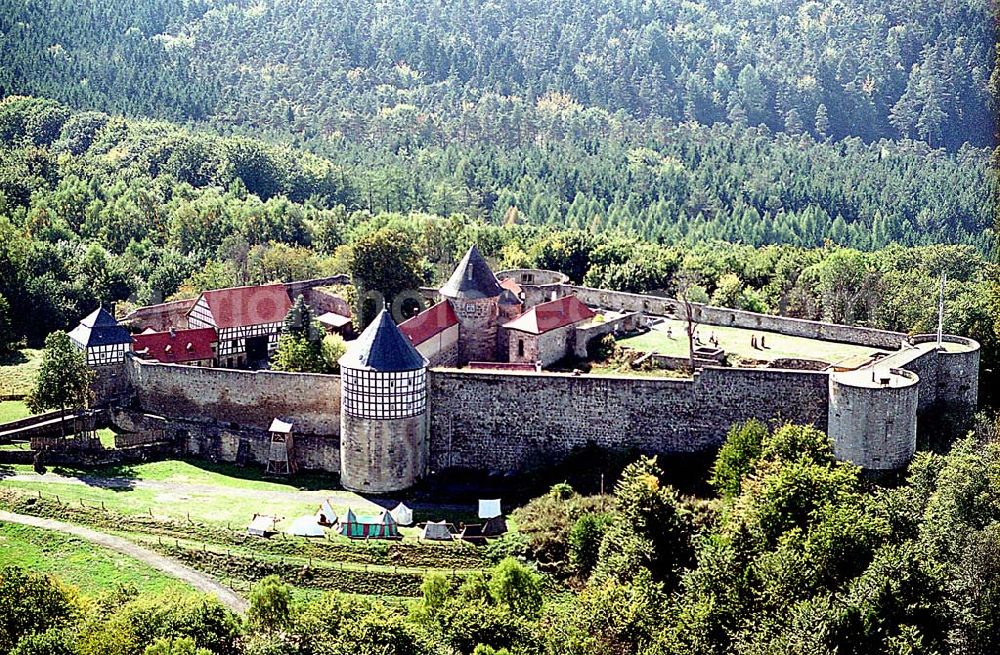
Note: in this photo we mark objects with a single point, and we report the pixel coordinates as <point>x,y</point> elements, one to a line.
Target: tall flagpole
<point>940,330</point>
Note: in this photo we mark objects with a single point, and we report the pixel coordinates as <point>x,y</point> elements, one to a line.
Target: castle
<point>461,385</point>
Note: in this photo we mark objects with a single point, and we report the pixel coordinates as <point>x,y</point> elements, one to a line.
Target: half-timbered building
<point>103,339</point>
<point>247,320</point>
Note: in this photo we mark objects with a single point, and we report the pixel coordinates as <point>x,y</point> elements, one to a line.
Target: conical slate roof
<point>472,279</point>
<point>382,347</point>
<point>99,328</point>
<point>508,298</point>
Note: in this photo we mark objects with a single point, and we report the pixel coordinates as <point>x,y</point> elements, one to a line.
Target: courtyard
<point>669,337</point>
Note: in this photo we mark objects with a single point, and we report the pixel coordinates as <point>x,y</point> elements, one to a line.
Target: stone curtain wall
<point>244,398</point>
<point>504,422</point>
<point>721,316</point>
<point>587,333</point>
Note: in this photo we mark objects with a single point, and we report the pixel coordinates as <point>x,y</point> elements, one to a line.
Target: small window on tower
<point>520,347</point>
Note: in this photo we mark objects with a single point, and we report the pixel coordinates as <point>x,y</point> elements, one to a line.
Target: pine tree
<point>822,121</point>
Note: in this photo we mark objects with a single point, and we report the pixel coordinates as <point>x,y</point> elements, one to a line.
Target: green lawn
<point>12,410</point>
<point>91,568</point>
<point>184,490</point>
<point>736,341</point>
<point>17,372</point>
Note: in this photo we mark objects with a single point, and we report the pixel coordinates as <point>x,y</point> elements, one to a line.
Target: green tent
<point>382,526</point>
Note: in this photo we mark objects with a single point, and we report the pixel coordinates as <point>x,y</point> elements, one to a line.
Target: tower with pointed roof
<point>103,339</point>
<point>383,417</point>
<point>473,291</point>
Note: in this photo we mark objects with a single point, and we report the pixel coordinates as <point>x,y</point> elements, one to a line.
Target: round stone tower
<point>473,291</point>
<point>383,416</point>
<point>872,419</point>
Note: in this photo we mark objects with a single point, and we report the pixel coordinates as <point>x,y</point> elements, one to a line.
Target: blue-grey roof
<point>472,279</point>
<point>509,298</point>
<point>99,328</point>
<point>382,347</point>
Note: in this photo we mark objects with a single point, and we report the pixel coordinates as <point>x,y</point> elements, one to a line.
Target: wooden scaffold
<point>281,454</point>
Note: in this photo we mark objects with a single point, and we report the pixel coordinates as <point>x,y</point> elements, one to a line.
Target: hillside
<point>436,69</point>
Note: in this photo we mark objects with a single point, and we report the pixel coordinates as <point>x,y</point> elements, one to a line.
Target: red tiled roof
<point>245,306</point>
<point>511,283</point>
<point>176,346</point>
<point>428,323</point>
<point>551,315</point>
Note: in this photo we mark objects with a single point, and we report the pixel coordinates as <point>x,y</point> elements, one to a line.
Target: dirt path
<point>175,569</point>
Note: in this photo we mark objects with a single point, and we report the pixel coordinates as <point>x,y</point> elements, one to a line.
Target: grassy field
<point>91,568</point>
<point>17,373</point>
<point>736,341</point>
<point>180,490</point>
<point>12,410</point>
<point>197,514</point>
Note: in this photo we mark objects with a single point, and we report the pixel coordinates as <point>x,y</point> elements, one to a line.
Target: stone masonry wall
<point>250,399</point>
<point>722,316</point>
<point>587,333</point>
<point>504,422</point>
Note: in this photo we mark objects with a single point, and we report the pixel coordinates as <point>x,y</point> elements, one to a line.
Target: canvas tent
<point>489,508</point>
<point>261,525</point>
<point>402,514</point>
<point>369,527</point>
<point>437,531</point>
<point>305,526</point>
<point>325,514</point>
<point>495,527</point>
<point>472,533</point>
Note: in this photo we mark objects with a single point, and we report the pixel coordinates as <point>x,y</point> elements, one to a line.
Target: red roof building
<point>429,323</point>
<point>548,316</point>
<point>511,285</point>
<point>243,306</point>
<point>177,346</point>
<point>248,321</point>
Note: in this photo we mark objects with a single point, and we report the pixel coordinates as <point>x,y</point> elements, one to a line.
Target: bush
<point>140,622</point>
<point>169,646</point>
<point>737,456</point>
<point>585,542</point>
<point>517,587</point>
<point>270,604</point>
<point>54,641</point>
<point>545,524</point>
<point>30,603</point>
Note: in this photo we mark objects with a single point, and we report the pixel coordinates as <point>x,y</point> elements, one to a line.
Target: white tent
<point>437,531</point>
<point>325,514</point>
<point>261,525</point>
<point>489,508</point>
<point>402,514</point>
<point>305,526</point>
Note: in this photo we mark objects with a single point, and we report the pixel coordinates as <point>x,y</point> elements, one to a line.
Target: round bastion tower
<point>383,417</point>
<point>872,418</point>
<point>473,292</point>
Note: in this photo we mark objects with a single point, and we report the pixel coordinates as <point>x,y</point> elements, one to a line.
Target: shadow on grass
<point>305,481</point>
<point>582,469</point>
<point>13,358</point>
<point>114,477</point>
